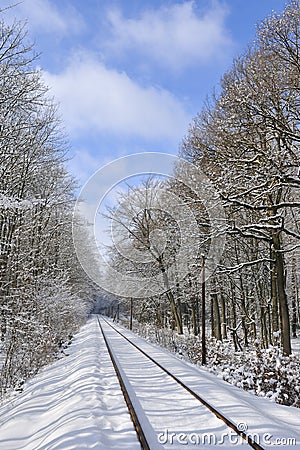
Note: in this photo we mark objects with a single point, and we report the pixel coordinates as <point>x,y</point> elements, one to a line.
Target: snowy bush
<point>263,372</point>
<point>47,318</point>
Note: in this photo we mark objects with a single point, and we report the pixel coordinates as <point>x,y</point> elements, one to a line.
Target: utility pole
<point>131,313</point>
<point>203,340</point>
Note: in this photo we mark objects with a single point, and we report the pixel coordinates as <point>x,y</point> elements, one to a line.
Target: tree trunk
<point>216,316</point>
<point>170,296</point>
<point>195,317</point>
<point>274,294</point>
<point>203,321</point>
<point>175,314</point>
<point>264,332</point>
<point>294,299</point>
<point>282,298</point>
<point>212,319</point>
<point>223,316</point>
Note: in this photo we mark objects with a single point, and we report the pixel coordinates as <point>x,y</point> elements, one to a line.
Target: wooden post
<point>203,341</point>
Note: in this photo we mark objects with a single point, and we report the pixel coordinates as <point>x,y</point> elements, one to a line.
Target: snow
<point>77,403</point>
<point>166,405</point>
<point>257,414</point>
<point>295,342</point>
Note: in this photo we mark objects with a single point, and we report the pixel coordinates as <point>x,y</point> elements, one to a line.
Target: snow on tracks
<point>268,423</point>
<point>158,397</point>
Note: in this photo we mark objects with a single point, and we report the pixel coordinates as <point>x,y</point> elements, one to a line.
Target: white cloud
<point>83,164</point>
<point>45,16</point>
<point>94,98</point>
<point>175,35</point>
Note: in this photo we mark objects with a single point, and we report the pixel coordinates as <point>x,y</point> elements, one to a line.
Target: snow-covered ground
<point>296,345</point>
<point>76,403</point>
<point>276,424</point>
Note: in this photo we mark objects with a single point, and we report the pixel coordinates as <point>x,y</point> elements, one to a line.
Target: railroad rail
<point>128,395</point>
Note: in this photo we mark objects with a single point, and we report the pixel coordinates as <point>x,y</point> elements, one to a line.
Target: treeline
<point>44,295</point>
<point>246,141</point>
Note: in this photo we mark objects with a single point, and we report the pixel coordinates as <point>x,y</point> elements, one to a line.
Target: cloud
<point>95,98</point>
<point>83,164</point>
<point>176,36</point>
<point>45,16</point>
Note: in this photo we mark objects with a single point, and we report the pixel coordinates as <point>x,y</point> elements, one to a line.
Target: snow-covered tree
<point>42,285</point>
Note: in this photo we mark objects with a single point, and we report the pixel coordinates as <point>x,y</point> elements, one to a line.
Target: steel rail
<point>134,417</point>
<point>217,413</point>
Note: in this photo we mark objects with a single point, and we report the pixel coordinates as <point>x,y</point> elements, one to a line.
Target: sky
<point>129,76</point>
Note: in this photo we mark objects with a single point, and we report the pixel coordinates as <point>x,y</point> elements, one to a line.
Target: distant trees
<point>149,237</point>
<point>41,286</point>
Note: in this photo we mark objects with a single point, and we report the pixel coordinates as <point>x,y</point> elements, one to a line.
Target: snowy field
<point>76,403</point>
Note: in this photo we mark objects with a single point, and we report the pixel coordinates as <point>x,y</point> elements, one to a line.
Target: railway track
<point>141,423</point>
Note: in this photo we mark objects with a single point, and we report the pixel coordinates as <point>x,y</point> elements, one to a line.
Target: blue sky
<point>129,76</point>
